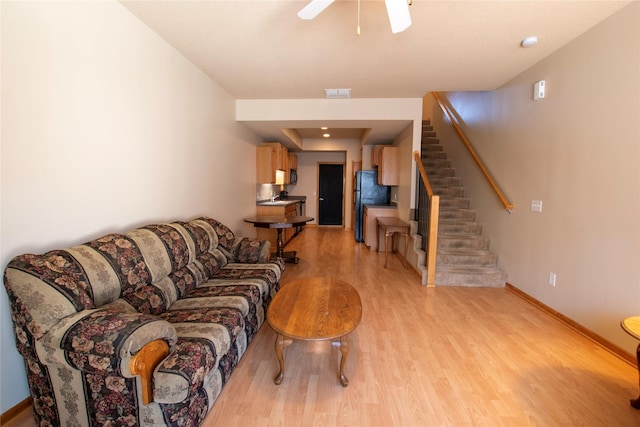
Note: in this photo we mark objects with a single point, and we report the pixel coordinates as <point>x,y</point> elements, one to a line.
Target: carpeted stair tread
<point>463,257</point>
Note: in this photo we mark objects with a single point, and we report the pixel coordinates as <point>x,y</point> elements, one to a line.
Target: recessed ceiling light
<point>324,128</point>
<point>529,41</point>
<point>326,135</point>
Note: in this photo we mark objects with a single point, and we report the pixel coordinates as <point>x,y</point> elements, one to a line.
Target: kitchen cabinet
<point>389,166</point>
<point>293,165</point>
<point>375,155</point>
<point>281,153</point>
<point>265,165</point>
<point>271,234</point>
<point>371,212</point>
<point>271,156</point>
<point>293,161</point>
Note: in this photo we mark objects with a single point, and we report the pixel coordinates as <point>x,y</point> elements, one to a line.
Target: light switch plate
<point>536,205</point>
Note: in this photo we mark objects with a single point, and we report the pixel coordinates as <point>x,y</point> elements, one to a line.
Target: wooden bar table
<point>280,222</point>
<point>391,226</point>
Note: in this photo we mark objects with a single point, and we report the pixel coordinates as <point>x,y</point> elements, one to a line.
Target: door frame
<point>344,167</point>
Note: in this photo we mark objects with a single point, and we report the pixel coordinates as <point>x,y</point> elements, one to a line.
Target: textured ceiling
<point>262,50</point>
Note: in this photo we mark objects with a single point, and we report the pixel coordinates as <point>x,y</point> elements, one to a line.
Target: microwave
<point>293,176</point>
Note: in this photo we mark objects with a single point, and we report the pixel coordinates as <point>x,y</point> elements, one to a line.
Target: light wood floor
<point>426,357</point>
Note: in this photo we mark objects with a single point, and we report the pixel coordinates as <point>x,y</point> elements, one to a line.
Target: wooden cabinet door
<point>265,165</point>
<point>388,170</point>
<point>290,210</point>
<point>375,155</point>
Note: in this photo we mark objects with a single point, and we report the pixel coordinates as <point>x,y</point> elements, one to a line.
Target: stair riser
<point>444,181</point>
<point>435,164</point>
<point>454,203</point>
<point>457,215</point>
<point>460,228</point>
<point>486,260</point>
<point>492,280</point>
<point>448,191</point>
<point>441,172</point>
<point>433,155</point>
<point>478,242</point>
<point>433,148</point>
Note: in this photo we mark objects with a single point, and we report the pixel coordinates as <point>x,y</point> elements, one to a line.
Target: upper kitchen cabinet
<point>291,174</point>
<point>389,166</point>
<point>293,161</point>
<point>375,155</point>
<point>281,153</point>
<point>271,156</point>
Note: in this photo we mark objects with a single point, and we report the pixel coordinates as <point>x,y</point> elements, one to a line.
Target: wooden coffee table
<point>315,309</point>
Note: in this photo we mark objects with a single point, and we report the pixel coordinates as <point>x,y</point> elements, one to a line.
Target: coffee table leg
<point>344,350</point>
<point>636,402</point>
<point>279,348</point>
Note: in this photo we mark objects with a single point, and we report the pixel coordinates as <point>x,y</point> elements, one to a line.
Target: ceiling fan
<point>398,11</point>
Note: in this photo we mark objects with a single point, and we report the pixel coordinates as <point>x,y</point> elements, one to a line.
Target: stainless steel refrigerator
<point>367,192</point>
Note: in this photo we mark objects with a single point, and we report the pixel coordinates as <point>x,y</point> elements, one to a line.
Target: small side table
<point>631,325</point>
<point>391,226</point>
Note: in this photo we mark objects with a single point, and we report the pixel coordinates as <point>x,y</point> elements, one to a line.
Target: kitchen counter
<point>371,206</point>
<point>276,202</point>
<point>369,229</point>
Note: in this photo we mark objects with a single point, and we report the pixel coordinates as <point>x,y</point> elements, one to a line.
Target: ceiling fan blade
<point>399,16</point>
<point>314,8</point>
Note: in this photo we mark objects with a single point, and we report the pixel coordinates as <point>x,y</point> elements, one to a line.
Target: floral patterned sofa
<point>142,328</point>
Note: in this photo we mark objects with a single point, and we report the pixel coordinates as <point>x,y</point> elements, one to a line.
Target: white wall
<point>328,151</point>
<point>106,127</point>
<point>578,151</point>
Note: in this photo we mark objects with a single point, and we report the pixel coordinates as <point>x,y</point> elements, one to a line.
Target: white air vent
<point>337,93</point>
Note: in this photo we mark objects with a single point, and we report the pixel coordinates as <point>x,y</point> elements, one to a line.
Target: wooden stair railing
<point>445,108</point>
<point>432,228</point>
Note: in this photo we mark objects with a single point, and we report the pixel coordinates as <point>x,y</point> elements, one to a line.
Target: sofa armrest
<point>102,341</point>
<point>247,250</point>
<point>144,364</point>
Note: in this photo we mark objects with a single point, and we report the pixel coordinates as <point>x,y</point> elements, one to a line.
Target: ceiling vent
<point>337,93</point>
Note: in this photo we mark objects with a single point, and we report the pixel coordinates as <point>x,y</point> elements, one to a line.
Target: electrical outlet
<point>552,279</point>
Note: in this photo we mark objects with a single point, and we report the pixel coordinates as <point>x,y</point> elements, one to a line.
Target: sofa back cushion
<point>150,268</point>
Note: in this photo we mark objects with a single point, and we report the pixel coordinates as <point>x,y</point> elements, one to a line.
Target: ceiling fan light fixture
<point>314,8</point>
<point>399,16</point>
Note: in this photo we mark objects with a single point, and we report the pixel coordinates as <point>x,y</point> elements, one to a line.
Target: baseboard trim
<point>604,343</point>
<point>11,413</point>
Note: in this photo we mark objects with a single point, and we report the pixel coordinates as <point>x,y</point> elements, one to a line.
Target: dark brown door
<point>330,193</point>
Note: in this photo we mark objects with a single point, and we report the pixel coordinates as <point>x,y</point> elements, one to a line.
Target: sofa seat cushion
<point>244,296</point>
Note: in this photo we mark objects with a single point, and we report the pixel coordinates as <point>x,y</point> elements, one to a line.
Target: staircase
<point>463,257</point>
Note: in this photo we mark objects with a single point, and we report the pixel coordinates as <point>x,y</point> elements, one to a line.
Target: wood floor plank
<point>442,356</point>
<point>430,356</point>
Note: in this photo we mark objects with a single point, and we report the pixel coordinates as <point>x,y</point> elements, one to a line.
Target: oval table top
<point>315,308</point>
<point>278,221</point>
